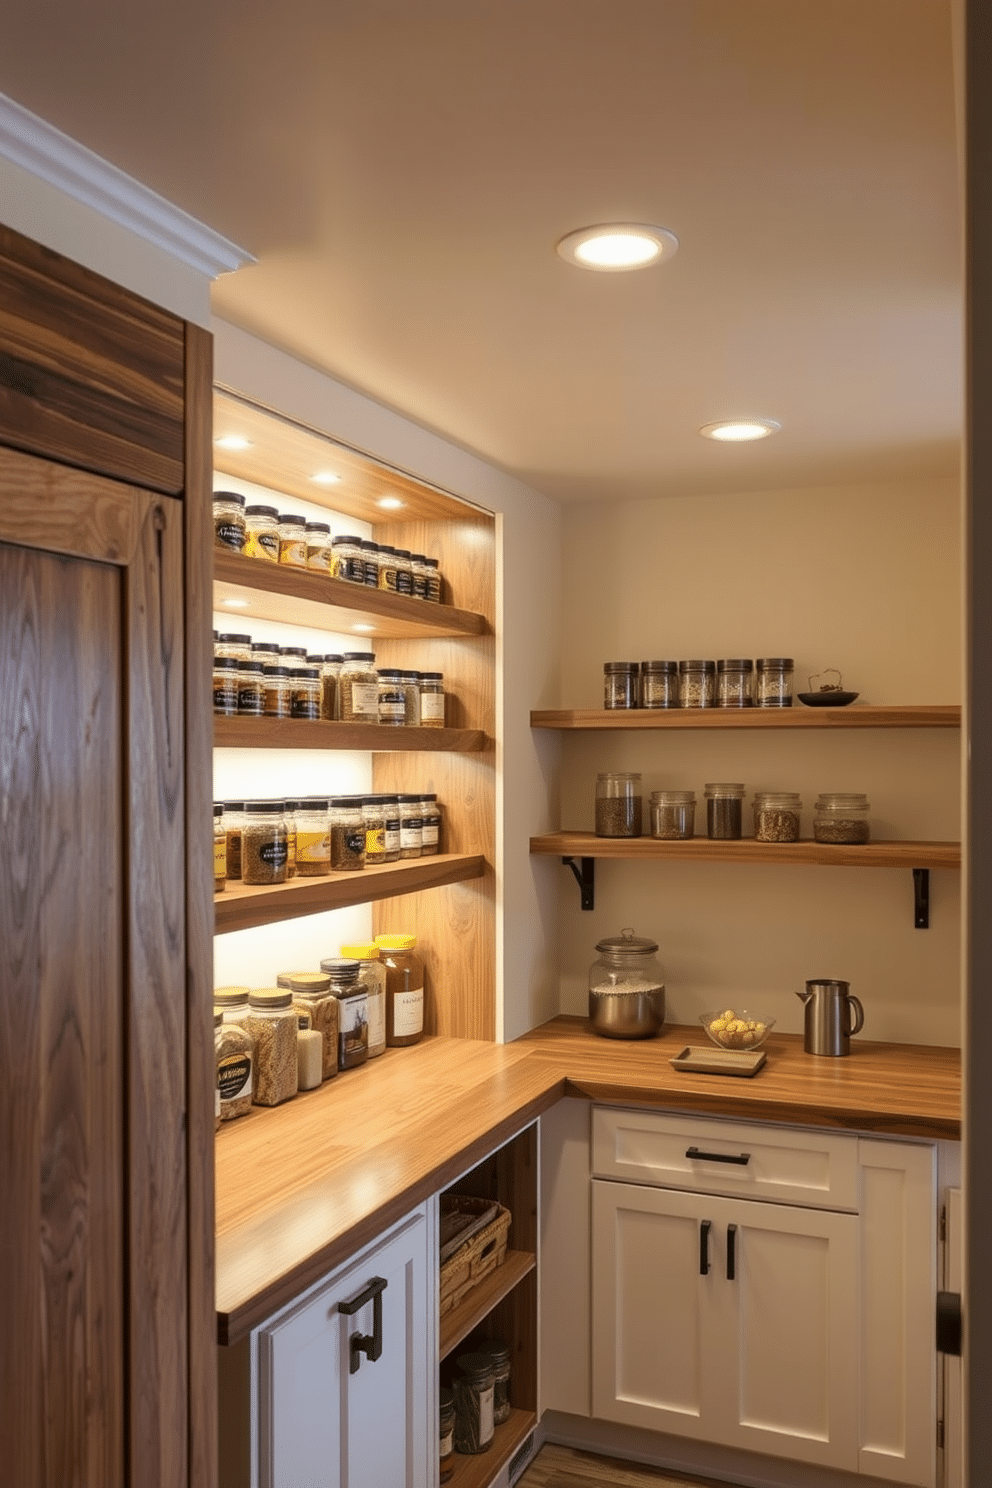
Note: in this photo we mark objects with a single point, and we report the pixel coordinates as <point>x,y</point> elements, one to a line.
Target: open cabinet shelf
<point>857,716</point>
<point>746,850</point>
<point>377,738</point>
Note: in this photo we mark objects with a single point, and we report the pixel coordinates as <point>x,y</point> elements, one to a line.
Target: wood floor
<point>564,1467</point>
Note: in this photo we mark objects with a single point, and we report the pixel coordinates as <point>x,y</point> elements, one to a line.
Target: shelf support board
<point>585,877</point>
<point>921,898</point>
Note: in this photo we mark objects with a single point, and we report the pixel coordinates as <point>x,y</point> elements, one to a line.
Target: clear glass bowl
<point>742,1028</point>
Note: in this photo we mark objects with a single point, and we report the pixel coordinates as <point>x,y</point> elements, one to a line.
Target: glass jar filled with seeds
<point>358,688</point>
<point>347,824</point>
<point>230,531</point>
<point>776,816</point>
<point>234,1052</point>
<point>430,813</point>
<point>724,810</point>
<point>404,572</point>
<point>251,689</point>
<point>264,843</point>
<point>391,813</point>
<point>370,562</point>
<point>347,559</point>
<point>618,804</point>
<point>418,562</point>
<point>411,826</point>
<point>267,652</point>
<point>410,682</point>
<point>225,687</point>
<point>314,997</point>
<point>842,817</point>
<point>373,974</point>
<point>659,684</point>
<point>620,684</point>
<point>392,700</point>
<point>313,847</point>
<point>432,700</point>
<point>318,541</point>
<point>278,697</point>
<point>353,1010</point>
<point>272,1024</point>
<point>734,683</point>
<point>220,848</point>
<point>697,684</point>
<point>773,682</point>
<point>292,540</point>
<point>233,646</point>
<point>435,582</point>
<point>234,817</point>
<point>474,1387</point>
<point>262,540</point>
<point>304,692</point>
<point>673,814</point>
<point>293,656</point>
<point>330,670</point>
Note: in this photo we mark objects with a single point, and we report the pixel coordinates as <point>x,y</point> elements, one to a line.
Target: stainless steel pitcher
<point>833,1014</point>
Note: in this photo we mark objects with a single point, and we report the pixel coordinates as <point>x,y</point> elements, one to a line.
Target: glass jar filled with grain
<point>697,684</point>
<point>347,825</point>
<point>659,684</point>
<point>220,848</point>
<point>776,816</point>
<point>264,843</point>
<point>734,683</point>
<point>391,813</point>
<point>276,690</point>
<point>313,847</point>
<point>432,704</point>
<point>330,671</point>
<point>618,804</point>
<point>314,997</point>
<point>673,814</point>
<point>318,540</point>
<point>724,810</point>
<point>430,811</point>
<point>292,540</point>
<point>843,817</point>
<point>370,562</point>
<point>234,817</point>
<point>410,682</point>
<point>435,580</point>
<point>411,826</point>
<point>272,1024</point>
<point>233,646</point>
<point>230,531</point>
<point>620,684</point>
<point>262,538</point>
<point>289,810</point>
<point>418,562</point>
<point>404,572</point>
<point>388,567</point>
<point>373,974</point>
<point>773,682</point>
<point>234,1053</point>
<point>392,700</point>
<point>358,688</point>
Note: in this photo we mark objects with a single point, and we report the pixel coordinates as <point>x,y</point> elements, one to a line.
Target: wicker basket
<point>478,1231</point>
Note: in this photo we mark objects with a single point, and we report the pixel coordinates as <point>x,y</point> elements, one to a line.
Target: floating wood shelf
<point>294,596</point>
<point>290,733</point>
<point>239,906</point>
<point>480,1301</point>
<point>746,850</point>
<point>940,715</point>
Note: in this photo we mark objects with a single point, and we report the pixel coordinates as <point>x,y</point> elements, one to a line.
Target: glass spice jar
<point>234,816</point>
<point>391,813</point>
<point>293,656</point>
<point>392,700</point>
<point>697,684</point>
<point>272,1025</point>
<point>225,688</point>
<point>347,559</point>
<point>773,682</point>
<point>474,1387</point>
<point>724,810</point>
<point>432,700</point>
<point>233,646</point>
<point>289,810</point>
<point>734,683</point>
<point>220,849</point>
<point>262,540</point>
<point>418,562</point>
<point>404,989</point>
<point>373,974</point>
<point>234,1055</point>
<point>435,581</point>
<point>329,672</point>
<point>410,682</point>
<point>842,817</point>
<point>313,847</point>
<point>374,822</point>
<point>411,826</point>
<point>370,562</point>
<point>276,691</point>
<point>358,688</point>
<point>498,1353</point>
<point>446,1434</point>
<point>314,997</point>
<point>318,541</point>
<point>292,540</point>
<point>251,689</point>
<point>264,844</point>
<point>347,834</point>
<point>776,816</point>
<point>673,815</point>
<point>304,692</point>
<point>353,1010</point>
<point>388,567</point>
<point>618,804</point>
<point>659,684</point>
<point>230,531</point>
<point>430,813</point>
<point>620,684</point>
<point>404,572</point>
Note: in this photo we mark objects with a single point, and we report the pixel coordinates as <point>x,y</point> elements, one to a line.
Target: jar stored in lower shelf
<point>474,1389</point>
<point>841,817</point>
<point>673,815</point>
<point>272,1024</point>
<point>220,848</point>
<point>292,540</point>
<point>264,844</point>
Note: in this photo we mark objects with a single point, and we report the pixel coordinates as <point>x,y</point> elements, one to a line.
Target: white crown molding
<point>43,151</point>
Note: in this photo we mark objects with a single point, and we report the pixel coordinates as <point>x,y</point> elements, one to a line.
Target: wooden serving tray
<point>719,1061</point>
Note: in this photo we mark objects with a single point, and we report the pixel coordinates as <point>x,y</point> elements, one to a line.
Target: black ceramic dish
<point>834,699</point>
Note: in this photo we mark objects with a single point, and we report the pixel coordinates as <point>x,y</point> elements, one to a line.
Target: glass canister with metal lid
<point>627,987</point>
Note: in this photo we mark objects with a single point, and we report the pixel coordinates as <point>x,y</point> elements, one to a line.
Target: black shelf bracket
<point>585,877</point>
<point>921,898</point>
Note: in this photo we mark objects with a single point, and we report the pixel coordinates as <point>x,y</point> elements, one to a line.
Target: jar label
<point>263,545</point>
<point>408,1011</point>
<point>274,854</point>
<point>234,1077</point>
<point>225,698</point>
<point>220,856</point>
<point>412,832</point>
<point>375,842</point>
<point>392,835</point>
<point>432,707</point>
<point>392,708</point>
<point>431,835</point>
<point>377,1019</point>
<point>304,707</point>
<point>387,579</point>
<point>251,701</point>
<point>355,842</point>
<point>312,847</point>
<point>404,582</point>
<point>365,700</point>
<point>229,534</point>
<point>352,570</point>
<point>293,550</point>
<point>353,1028</point>
<point>486,1422</point>
<point>319,558</point>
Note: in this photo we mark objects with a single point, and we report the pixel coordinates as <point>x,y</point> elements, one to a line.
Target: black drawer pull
<point>731,1252</point>
<point>741,1159</point>
<point>369,1344</point>
<point>704,1247</point>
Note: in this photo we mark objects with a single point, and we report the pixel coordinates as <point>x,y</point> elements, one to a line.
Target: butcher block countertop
<point>301,1187</point>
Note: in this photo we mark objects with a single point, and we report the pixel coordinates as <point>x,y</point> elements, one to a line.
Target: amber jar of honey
<point>404,989</point>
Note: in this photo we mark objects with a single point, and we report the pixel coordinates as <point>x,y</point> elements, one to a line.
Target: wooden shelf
<point>746,850</point>
<point>470,1311</point>
<point>239,906</point>
<point>289,733</point>
<point>941,715</point>
<point>294,596</point>
<point>480,1470</point>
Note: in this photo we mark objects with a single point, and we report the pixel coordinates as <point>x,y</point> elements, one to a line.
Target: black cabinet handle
<point>741,1159</point>
<point>704,1247</point>
<point>363,1343</point>
<point>731,1252</point>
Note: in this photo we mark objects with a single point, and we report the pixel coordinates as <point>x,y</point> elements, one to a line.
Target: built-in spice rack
<point>928,715</point>
<point>294,733</point>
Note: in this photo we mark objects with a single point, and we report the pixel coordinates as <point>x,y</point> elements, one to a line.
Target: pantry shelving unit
<point>579,850</point>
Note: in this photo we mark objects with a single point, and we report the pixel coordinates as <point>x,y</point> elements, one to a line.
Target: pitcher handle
<point>859,1015</point>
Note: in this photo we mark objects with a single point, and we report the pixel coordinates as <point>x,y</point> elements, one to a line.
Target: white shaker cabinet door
<point>726,1320</point>
<point>323,1425</point>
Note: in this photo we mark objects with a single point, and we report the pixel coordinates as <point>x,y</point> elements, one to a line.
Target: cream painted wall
<point>866,579</point>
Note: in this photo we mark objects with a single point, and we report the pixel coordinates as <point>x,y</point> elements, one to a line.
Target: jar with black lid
<point>353,1010</point>
<point>418,563</point>
<point>774,682</point>
<point>330,671</point>
<point>620,684</point>
<point>388,567</point>
<point>347,559</point>
<point>430,825</point>
<point>313,846</point>
<point>267,652</point>
<point>293,655</point>
<point>264,843</point>
<point>230,531</point>
<point>278,699</point>
<point>374,822</point>
<point>318,540</point>
<point>474,1387</point>
<point>410,682</point>
<point>358,688</point>
<point>251,689</point>
<point>233,645</point>
<point>434,580</point>
<point>734,683</point>
<point>391,816</point>
<point>498,1353</point>
<point>697,684</point>
<point>432,700</point>
<point>292,540</point>
<point>347,824</point>
<point>262,539</point>
<point>392,699</point>
<point>225,687</point>
<point>304,692</point>
<point>404,572</point>
<point>370,563</point>
<point>411,826</point>
<point>659,684</point>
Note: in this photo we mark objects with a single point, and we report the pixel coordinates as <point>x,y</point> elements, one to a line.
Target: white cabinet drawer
<point>817,1169</point>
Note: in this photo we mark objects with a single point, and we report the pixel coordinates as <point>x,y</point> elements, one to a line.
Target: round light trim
<point>740,431</point>
<point>233,442</point>
<point>617,247</point>
<point>390,503</point>
<point>325,478</point>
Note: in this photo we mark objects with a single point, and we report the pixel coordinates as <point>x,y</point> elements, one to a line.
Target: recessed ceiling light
<point>325,478</point>
<point>616,246</point>
<point>233,442</point>
<point>739,431</point>
<point>390,503</point>
<point>363,627</point>
<point>236,604</point>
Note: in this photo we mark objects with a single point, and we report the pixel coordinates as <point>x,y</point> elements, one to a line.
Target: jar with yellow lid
<point>373,974</point>
<point>404,989</point>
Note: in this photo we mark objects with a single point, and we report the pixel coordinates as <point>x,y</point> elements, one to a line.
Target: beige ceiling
<point>403,168</point>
